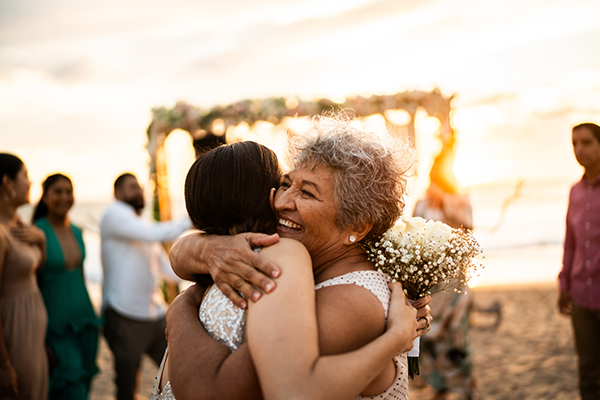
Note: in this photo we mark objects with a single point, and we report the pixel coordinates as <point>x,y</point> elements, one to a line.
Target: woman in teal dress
<point>72,338</point>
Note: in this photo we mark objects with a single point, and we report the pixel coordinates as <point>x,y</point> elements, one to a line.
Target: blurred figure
<point>443,201</point>
<point>445,357</point>
<point>132,260</point>
<point>72,338</point>
<point>580,275</point>
<point>23,318</point>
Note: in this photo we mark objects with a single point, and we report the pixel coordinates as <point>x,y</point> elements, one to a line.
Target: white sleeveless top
<point>225,322</point>
<point>376,283</point>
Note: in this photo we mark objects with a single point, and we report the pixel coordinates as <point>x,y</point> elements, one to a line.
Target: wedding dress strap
<point>373,281</point>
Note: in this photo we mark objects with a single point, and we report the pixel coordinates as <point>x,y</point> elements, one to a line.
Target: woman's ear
<point>272,198</point>
<point>6,181</point>
<point>358,233</point>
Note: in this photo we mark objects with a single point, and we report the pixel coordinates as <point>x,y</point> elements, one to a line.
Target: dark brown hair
<point>595,129</point>
<point>121,180</point>
<point>41,209</point>
<point>9,165</point>
<point>227,189</point>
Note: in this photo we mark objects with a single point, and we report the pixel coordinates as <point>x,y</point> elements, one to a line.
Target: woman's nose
<point>284,200</point>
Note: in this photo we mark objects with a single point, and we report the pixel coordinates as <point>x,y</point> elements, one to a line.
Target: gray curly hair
<point>369,169</point>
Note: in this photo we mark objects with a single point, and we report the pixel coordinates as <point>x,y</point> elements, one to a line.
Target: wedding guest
<point>580,275</point>
<point>23,318</point>
<point>72,337</point>
<point>133,261</point>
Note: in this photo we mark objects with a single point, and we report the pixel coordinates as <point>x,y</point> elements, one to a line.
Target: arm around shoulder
<point>283,336</point>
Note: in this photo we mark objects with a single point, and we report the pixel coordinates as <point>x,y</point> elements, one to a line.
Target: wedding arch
<point>207,127</point>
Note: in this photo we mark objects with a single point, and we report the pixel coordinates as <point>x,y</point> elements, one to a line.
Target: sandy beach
<point>529,356</point>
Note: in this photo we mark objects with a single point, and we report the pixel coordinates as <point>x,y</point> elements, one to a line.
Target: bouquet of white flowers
<point>421,254</point>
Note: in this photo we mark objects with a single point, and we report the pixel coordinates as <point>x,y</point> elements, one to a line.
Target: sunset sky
<point>78,78</point>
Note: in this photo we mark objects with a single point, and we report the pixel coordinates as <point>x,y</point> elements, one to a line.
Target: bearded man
<point>133,261</point>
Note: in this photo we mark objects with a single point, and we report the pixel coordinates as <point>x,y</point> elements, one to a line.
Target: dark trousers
<point>128,340</point>
<point>586,324</point>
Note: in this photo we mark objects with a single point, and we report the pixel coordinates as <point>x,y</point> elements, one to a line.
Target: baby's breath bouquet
<point>422,255</point>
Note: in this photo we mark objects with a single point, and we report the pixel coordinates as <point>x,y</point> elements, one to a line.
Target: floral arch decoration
<point>207,126</point>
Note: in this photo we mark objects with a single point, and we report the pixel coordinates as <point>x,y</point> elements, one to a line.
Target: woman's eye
<point>307,194</point>
<point>284,185</point>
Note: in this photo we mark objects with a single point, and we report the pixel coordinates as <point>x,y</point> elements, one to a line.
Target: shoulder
<point>579,185</point>
<point>285,249</point>
<point>116,211</point>
<point>42,223</point>
<point>368,288</point>
<point>349,317</point>
<point>287,254</point>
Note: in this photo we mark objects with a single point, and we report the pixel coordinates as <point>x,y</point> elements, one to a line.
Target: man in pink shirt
<point>580,275</point>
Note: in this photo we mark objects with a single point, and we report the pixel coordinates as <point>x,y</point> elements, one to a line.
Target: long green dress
<point>72,322</point>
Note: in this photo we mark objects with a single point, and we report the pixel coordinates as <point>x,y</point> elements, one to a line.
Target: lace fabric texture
<point>166,394</point>
<point>222,319</point>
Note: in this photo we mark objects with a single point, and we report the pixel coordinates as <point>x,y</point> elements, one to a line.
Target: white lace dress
<point>225,322</point>
<point>222,319</point>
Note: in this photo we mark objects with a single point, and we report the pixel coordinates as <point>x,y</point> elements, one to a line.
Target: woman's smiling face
<point>59,197</point>
<point>307,210</point>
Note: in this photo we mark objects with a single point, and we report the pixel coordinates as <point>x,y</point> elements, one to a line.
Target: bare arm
<point>30,234</point>
<point>8,377</point>
<point>284,339</point>
<point>231,262</point>
<point>193,352</point>
<point>201,368</point>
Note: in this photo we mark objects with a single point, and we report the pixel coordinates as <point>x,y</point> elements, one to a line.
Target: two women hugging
<point>333,328</point>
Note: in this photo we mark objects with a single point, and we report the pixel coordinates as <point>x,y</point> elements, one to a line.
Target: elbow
<point>174,261</point>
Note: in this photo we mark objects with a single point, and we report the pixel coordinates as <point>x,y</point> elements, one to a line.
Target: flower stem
<point>413,367</point>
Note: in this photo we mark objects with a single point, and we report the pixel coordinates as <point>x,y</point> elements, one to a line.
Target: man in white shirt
<point>133,261</point>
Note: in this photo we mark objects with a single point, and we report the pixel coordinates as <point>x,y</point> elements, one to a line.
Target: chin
<point>286,233</point>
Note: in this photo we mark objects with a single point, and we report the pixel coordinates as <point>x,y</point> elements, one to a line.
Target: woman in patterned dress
<point>346,186</point>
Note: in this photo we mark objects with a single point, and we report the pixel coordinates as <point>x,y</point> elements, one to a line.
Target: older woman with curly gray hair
<point>347,185</point>
<point>369,170</point>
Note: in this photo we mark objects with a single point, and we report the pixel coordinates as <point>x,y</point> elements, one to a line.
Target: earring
<point>352,238</point>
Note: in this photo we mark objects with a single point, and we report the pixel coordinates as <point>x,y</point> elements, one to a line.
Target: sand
<point>530,355</point>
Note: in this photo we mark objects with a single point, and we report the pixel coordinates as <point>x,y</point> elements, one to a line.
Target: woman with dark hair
<point>227,192</point>
<point>72,337</point>
<point>23,318</point>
